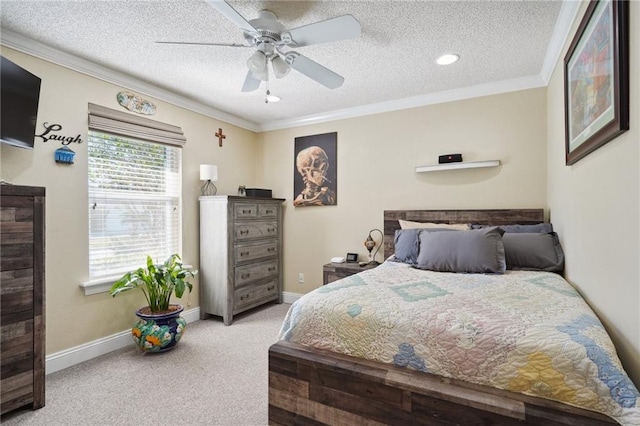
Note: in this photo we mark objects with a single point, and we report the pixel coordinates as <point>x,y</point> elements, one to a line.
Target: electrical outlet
<point>300,278</point>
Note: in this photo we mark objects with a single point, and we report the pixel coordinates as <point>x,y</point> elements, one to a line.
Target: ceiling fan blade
<point>250,83</point>
<point>313,70</point>
<point>335,29</point>
<point>204,44</point>
<point>231,14</point>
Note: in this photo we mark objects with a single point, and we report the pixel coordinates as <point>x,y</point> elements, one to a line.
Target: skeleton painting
<point>315,172</point>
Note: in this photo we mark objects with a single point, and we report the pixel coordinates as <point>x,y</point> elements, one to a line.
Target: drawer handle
<point>271,229</point>
<point>246,296</point>
<point>271,288</point>
<point>268,211</point>
<point>247,275</point>
<point>271,249</point>
<point>244,253</point>
<point>246,231</point>
<point>271,269</point>
<point>246,211</point>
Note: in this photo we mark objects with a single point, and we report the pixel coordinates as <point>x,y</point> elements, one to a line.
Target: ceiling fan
<point>273,43</point>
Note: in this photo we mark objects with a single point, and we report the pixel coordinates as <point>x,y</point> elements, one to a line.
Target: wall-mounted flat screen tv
<point>20,93</point>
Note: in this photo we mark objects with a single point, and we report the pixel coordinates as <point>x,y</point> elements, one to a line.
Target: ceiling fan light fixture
<point>257,62</point>
<point>447,59</point>
<point>280,67</point>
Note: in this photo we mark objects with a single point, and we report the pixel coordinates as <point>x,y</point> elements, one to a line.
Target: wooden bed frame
<point>312,387</point>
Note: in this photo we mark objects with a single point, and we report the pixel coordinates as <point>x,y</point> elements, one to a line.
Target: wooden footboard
<point>312,387</point>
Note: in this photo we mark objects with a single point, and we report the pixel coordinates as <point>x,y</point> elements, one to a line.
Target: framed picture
<point>596,79</point>
<point>315,177</point>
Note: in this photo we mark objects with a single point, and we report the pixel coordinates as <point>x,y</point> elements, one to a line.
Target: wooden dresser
<point>22,353</point>
<point>240,254</point>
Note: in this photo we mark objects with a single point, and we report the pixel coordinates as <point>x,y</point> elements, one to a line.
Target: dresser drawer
<point>245,211</point>
<point>267,211</point>
<point>245,231</point>
<point>249,295</point>
<point>17,349</point>
<point>255,271</point>
<point>245,252</point>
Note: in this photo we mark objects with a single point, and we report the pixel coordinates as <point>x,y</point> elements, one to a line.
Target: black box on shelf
<point>257,192</point>
<point>449,158</point>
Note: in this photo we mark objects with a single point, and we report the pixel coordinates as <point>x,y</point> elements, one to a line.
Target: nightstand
<point>334,271</point>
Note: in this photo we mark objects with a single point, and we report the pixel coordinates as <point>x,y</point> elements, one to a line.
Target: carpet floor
<point>216,375</point>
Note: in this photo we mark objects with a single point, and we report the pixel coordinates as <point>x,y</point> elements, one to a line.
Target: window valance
<point>117,122</point>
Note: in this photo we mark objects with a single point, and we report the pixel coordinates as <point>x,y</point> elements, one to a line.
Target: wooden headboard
<point>485,217</point>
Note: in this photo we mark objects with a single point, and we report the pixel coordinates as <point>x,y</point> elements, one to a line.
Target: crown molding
<point>505,86</point>
<point>40,50</point>
<point>559,38</point>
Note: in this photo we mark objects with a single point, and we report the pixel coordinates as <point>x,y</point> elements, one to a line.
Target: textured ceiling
<point>392,60</point>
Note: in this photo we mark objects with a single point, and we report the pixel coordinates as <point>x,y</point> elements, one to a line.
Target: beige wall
<point>377,155</point>
<point>595,207</point>
<point>71,317</point>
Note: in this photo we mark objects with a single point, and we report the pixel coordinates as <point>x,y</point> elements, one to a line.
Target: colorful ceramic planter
<point>158,332</point>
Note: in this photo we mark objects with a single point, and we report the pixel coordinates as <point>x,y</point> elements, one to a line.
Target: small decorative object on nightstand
<point>370,243</point>
<point>334,271</point>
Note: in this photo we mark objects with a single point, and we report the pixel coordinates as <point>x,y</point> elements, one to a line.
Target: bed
<point>402,345</point>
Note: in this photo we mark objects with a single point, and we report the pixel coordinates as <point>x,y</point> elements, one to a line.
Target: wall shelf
<point>460,165</point>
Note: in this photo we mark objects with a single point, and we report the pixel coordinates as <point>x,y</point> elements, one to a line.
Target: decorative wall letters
<point>47,135</point>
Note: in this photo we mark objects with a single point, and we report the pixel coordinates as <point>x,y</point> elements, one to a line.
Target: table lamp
<point>209,174</point>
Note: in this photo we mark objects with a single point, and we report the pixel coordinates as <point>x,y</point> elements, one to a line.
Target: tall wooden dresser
<point>22,355</point>
<point>240,254</point>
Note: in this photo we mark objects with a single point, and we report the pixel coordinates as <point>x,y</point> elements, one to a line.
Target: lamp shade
<point>208,172</point>
<point>280,67</point>
<point>257,62</point>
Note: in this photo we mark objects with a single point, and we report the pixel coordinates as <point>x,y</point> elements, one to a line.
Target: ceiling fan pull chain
<point>266,67</point>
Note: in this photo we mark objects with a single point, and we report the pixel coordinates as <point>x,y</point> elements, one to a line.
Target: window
<point>134,194</point>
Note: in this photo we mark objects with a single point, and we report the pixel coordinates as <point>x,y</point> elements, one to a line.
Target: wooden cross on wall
<point>220,136</point>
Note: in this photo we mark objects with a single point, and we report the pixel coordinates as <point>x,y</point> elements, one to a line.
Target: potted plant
<point>160,326</point>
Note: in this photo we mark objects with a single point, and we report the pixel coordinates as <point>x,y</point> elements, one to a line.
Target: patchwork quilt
<point>527,332</point>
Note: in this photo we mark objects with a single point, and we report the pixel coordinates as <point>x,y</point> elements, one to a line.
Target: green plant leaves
<point>157,282</point>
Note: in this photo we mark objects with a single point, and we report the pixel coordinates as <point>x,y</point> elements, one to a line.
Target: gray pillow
<point>407,244</point>
<point>537,228</point>
<point>474,251</point>
<point>533,252</point>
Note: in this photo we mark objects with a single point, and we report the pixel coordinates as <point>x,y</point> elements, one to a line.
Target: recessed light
<point>447,59</point>
<point>273,98</point>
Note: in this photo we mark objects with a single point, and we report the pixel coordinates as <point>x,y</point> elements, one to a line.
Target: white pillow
<point>406,224</point>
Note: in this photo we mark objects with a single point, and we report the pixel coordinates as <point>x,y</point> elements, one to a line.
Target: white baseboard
<point>288,297</point>
<point>69,357</point>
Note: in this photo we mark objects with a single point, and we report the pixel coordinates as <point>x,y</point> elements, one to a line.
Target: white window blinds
<point>134,201</point>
